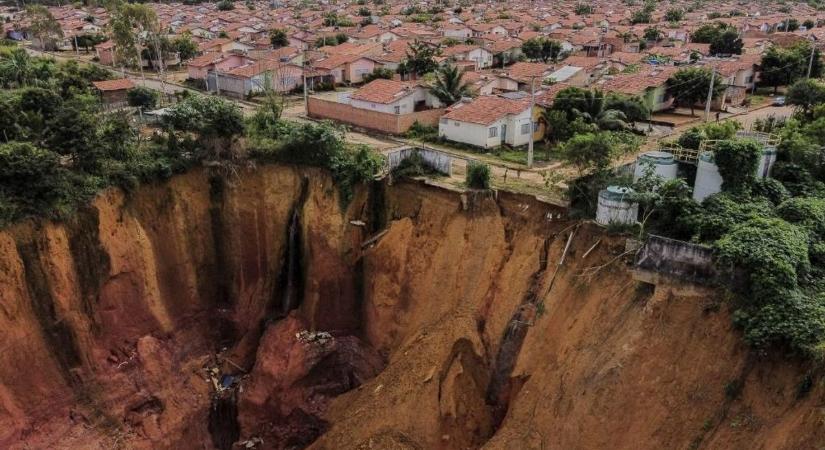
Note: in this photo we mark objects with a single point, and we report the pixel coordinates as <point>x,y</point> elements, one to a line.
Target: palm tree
<point>448,86</point>
<point>592,108</point>
<point>16,68</point>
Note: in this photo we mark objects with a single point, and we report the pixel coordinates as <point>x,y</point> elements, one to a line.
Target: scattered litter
<point>252,442</point>
<point>313,337</point>
<point>430,375</point>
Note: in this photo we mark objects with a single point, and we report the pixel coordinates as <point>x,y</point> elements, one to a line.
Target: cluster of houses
<point>331,43</point>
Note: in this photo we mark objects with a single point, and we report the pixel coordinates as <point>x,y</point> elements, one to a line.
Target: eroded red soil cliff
<point>457,326</point>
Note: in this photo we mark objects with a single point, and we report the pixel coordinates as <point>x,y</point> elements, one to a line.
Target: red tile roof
<point>486,110</point>
<point>382,91</point>
<point>114,85</point>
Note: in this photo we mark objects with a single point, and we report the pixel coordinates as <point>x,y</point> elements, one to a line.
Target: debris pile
<point>314,337</point>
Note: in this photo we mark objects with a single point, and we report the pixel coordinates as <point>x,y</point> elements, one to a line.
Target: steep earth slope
<point>437,320</point>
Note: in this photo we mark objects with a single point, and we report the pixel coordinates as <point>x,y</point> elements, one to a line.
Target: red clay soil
<point>458,328</point>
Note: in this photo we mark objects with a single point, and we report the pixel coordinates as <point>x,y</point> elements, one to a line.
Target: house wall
<point>197,73</point>
<point>479,135</point>
<point>358,69</point>
<point>507,84</point>
<point>373,120</point>
<point>514,136</point>
<point>463,33</point>
<point>406,105</point>
<point>482,58</point>
<point>469,133</point>
<point>106,57</point>
<point>338,74</point>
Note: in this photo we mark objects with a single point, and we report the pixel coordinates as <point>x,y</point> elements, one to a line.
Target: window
<point>493,132</point>
<point>443,121</point>
<point>535,127</point>
<point>525,128</point>
<point>457,123</point>
<point>397,109</point>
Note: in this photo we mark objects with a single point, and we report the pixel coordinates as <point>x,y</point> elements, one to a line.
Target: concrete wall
<point>676,258</point>
<point>439,161</point>
<point>373,120</point>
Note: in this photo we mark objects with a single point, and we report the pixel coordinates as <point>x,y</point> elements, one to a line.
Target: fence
<point>439,161</point>
<point>680,259</point>
<point>372,120</point>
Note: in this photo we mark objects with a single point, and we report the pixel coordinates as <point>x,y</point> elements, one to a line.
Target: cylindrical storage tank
<point>766,160</point>
<point>615,206</point>
<point>664,165</point>
<point>708,179</point>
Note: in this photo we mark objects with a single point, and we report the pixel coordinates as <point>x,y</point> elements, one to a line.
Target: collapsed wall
<point>436,320</point>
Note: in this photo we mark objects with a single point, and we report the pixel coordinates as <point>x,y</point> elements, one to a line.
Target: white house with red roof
<point>491,121</point>
<point>393,97</point>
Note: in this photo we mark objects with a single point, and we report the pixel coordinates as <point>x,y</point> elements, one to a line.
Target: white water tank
<point>766,160</point>
<point>708,179</point>
<point>768,156</point>
<point>615,206</point>
<point>664,165</point>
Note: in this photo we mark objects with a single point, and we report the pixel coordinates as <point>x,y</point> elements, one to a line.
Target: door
<point>503,133</point>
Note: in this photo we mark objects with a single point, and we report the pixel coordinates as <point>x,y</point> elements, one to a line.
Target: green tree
<point>44,26</point>
<point>30,177</point>
<point>674,15</point>
<point>781,67</point>
<point>652,34</point>
<point>185,46</point>
<point>727,43</point>
<point>532,48</point>
<point>420,58</point>
<point>640,16</point>
<point>379,72</point>
<point>806,93</point>
<point>142,97</point>
<point>708,32</point>
<point>792,25</point>
<point>478,175</point>
<point>690,86</point>
<point>130,25</point>
<point>215,121</point>
<point>590,153</point>
<point>448,86</point>
<point>542,49</point>
<point>550,50</point>
<point>634,108</point>
<point>583,9</point>
<point>590,106</point>
<point>225,5</point>
<point>16,69</point>
<point>278,38</point>
<point>737,161</point>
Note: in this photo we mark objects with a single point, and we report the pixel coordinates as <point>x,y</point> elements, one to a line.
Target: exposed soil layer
<point>208,311</point>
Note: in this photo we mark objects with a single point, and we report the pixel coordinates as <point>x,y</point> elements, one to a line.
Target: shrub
<point>142,97</point>
<point>737,161</point>
<point>478,175</point>
<point>771,253</point>
<point>795,320</point>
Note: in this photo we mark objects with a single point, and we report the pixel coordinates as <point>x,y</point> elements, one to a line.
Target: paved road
<point>750,117</point>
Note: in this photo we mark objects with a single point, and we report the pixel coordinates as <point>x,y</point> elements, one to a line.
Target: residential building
<point>491,121</point>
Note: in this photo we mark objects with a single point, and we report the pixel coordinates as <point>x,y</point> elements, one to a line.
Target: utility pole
<point>532,106</point>
<point>811,60</point>
<point>710,94</point>
<point>304,71</point>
